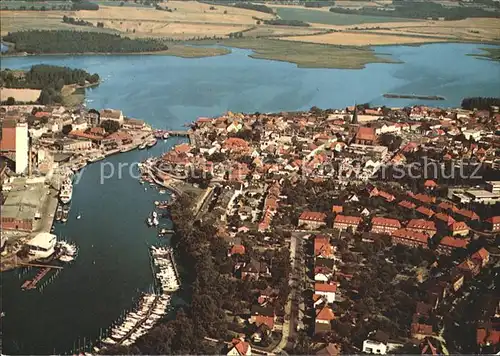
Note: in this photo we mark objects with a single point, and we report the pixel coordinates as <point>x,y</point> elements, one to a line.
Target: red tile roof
<point>448,220</point>
<point>411,235</point>
<point>337,208</point>
<point>407,204</point>
<point>325,287</point>
<point>454,242</point>
<point>459,226</point>
<point>241,346</point>
<point>325,313</point>
<point>380,221</point>
<point>494,220</point>
<point>312,216</point>
<point>264,320</point>
<point>481,254</point>
<point>424,329</point>
<point>425,211</point>
<point>322,246</point>
<point>429,183</point>
<point>447,206</point>
<point>487,336</point>
<point>237,250</point>
<point>468,214</point>
<point>345,219</point>
<point>366,133</point>
<point>421,224</point>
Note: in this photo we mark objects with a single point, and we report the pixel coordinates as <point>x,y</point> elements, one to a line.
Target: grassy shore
<point>306,55</point>
<point>492,54</point>
<point>176,50</point>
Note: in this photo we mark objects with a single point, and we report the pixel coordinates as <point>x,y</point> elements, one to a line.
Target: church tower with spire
<point>355,115</point>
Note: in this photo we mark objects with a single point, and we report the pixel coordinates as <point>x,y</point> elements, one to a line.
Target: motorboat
<point>142,145</point>
<point>78,217</point>
<point>59,213</point>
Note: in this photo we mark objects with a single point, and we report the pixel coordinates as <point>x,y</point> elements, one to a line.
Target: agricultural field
<point>330,18</point>
<point>21,95</point>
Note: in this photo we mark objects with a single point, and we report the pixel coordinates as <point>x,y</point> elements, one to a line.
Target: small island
<point>413,96</point>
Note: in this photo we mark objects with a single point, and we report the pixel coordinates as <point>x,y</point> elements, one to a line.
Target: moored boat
<point>142,145</point>
<point>65,213</point>
<point>59,213</point>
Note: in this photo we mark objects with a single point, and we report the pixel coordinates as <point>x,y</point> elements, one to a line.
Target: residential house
<point>323,273</point>
<point>111,114</point>
<point>324,317</point>
<point>254,270</point>
<point>385,226</point>
<point>482,256</point>
<point>378,343</point>
<point>410,238</point>
<point>488,335</point>
<point>343,222</point>
<point>312,220</point>
<point>322,247</point>
<point>449,243</point>
<point>459,228</point>
<point>329,350</point>
<point>468,214</point>
<point>469,268</point>
<point>426,212</point>
<point>407,204</point>
<point>493,223</point>
<point>421,331</point>
<point>328,290</point>
<point>134,124</point>
<point>237,250</point>
<point>421,225</point>
<point>239,347</point>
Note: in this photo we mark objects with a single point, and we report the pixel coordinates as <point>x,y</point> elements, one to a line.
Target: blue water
<point>169,92</point>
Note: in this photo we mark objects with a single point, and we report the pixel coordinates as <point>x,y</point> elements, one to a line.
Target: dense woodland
<point>50,79</point>
<point>255,7</point>
<point>479,103</point>
<point>41,41</point>
<point>75,21</point>
<point>422,10</point>
<point>279,22</point>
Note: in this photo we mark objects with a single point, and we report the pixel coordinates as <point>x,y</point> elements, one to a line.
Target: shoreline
<point>269,49</point>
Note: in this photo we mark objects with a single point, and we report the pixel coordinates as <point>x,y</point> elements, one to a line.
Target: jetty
<point>141,322</point>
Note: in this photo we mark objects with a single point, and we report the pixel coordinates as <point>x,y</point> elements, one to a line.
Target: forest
<point>255,7</point>
<point>479,103</point>
<point>280,22</point>
<point>422,10</point>
<point>50,79</point>
<point>42,41</point>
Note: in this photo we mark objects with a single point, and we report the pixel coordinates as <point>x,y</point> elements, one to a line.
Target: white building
<point>42,245</point>
<point>21,147</point>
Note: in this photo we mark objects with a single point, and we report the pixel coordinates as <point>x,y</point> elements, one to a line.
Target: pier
<point>142,321</point>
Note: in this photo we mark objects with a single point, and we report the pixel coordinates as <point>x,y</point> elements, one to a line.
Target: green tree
<point>110,126</point>
<point>10,101</point>
<point>67,129</point>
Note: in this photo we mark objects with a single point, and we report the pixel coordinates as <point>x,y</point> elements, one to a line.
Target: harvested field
<point>20,95</point>
<point>277,31</point>
<point>361,39</point>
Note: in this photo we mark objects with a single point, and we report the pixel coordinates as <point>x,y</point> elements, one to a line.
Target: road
<point>291,308</point>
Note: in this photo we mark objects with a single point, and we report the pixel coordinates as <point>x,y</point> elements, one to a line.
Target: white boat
<point>78,217</point>
<point>155,222</point>
<point>96,158</point>
<point>162,191</point>
<point>66,192</point>
<point>154,214</point>
<point>150,222</point>
<point>142,145</point>
<point>66,258</point>
<point>165,135</point>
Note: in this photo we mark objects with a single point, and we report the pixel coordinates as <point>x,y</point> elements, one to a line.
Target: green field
<point>306,55</point>
<point>331,18</point>
<point>48,5</point>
